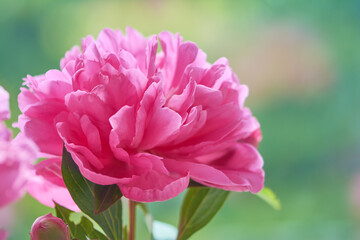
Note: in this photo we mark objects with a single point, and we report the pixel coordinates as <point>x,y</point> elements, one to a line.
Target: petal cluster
<point>145,116</point>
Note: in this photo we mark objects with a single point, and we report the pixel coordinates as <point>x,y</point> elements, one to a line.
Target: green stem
<point>132,220</point>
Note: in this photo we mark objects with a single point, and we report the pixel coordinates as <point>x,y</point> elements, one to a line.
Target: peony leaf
<point>81,230</point>
<point>269,196</point>
<point>199,206</point>
<point>81,190</point>
<point>105,197</point>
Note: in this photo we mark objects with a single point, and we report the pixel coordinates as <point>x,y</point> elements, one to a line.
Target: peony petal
<point>5,133</point>
<point>187,53</point>
<point>13,182</point>
<point>57,85</point>
<point>182,102</point>
<point>123,124</point>
<point>26,99</point>
<point>151,50</point>
<point>161,122</point>
<point>240,169</point>
<point>37,123</point>
<point>70,56</point>
<point>174,186</point>
<point>4,104</point>
<point>15,168</point>
<point>3,235</point>
<point>155,185</point>
<point>71,135</point>
<point>99,171</point>
<point>92,134</point>
<point>212,75</point>
<point>167,62</point>
<point>207,97</point>
<point>126,89</point>
<point>27,151</point>
<point>79,102</point>
<point>255,138</point>
<point>109,40</point>
<point>47,185</point>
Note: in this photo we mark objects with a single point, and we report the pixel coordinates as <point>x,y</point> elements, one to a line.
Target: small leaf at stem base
<point>269,196</point>
<point>199,206</point>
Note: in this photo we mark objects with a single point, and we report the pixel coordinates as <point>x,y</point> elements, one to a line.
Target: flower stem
<point>132,220</point>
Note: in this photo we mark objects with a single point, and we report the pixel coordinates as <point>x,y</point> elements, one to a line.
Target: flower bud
<point>49,227</point>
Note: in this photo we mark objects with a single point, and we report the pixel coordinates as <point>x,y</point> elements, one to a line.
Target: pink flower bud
<point>49,227</point>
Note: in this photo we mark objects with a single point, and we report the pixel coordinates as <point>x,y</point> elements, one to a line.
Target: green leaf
<point>269,196</point>
<point>82,192</point>
<point>81,230</point>
<point>199,206</point>
<point>105,197</point>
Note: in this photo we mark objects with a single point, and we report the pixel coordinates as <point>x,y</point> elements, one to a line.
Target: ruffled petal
<point>37,123</point>
<point>3,235</point>
<point>239,169</point>
<point>158,122</point>
<point>158,184</point>
<point>15,168</point>
<point>4,104</point>
<point>47,185</point>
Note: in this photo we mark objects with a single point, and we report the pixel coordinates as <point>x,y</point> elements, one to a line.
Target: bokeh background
<point>301,60</point>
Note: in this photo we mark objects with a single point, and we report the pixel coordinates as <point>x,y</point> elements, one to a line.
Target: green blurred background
<point>301,60</point>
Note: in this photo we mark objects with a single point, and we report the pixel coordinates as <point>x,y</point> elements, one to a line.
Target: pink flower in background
<point>17,172</point>
<point>5,134</point>
<point>145,120</point>
<point>49,227</point>
<point>355,195</point>
<point>16,158</point>
<point>3,235</point>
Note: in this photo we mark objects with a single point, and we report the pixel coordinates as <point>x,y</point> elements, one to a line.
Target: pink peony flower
<point>15,158</point>
<point>18,174</point>
<point>49,227</point>
<point>145,120</point>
